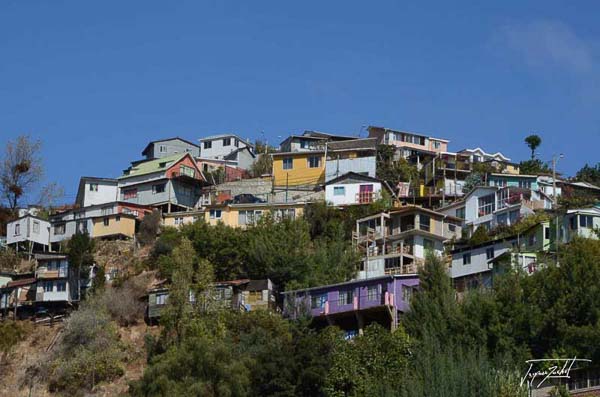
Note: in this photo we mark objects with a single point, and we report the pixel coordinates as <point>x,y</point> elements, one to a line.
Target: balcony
<point>43,272</point>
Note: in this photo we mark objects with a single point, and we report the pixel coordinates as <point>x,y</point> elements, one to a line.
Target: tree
<point>20,170</point>
<point>394,171</point>
<point>50,194</point>
<point>472,181</point>
<point>262,166</point>
<point>534,167</point>
<point>533,141</point>
<point>590,174</point>
<point>149,227</point>
<point>80,251</point>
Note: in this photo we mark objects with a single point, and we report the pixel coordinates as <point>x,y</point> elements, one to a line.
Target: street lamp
<point>555,159</point>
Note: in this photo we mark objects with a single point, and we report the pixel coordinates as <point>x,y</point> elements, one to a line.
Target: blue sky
<point>97,80</point>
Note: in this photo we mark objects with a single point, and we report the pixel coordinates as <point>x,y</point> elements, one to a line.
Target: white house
<point>56,281</point>
<point>219,146</point>
<point>93,191</point>
<point>583,222</point>
<point>352,188</point>
<point>28,233</point>
<point>168,147</point>
<point>478,155</point>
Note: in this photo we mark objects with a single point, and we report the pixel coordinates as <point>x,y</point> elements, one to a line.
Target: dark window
<point>467,259</point>
<point>207,144</point>
<point>226,141</point>
<point>346,297</point>
<point>547,233</point>
<point>106,221</point>
<point>61,286</point>
<point>318,301</point>
<point>489,253</point>
<point>314,162</point>
<point>160,188</point>
<point>424,222</point>
<point>288,163</point>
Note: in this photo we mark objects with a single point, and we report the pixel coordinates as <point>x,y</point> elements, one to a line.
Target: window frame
<point>226,141</point>
<point>311,159</point>
<point>159,188</point>
<point>207,145</point>
<point>336,190</point>
<point>466,258</point>
<point>489,253</point>
<point>288,163</point>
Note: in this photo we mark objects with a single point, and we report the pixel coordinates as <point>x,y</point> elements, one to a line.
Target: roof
<point>589,211</point>
<point>258,285</point>
<point>167,139</point>
<point>303,153</point>
<point>232,282</point>
<point>29,216</point>
<point>484,153</point>
<point>367,281</point>
<point>410,208</point>
<point>365,143</point>
<point>408,132</point>
<point>20,283</point>
<point>98,179</point>
<point>152,166</point>
<point>233,154</point>
<point>43,257</point>
<point>220,136</point>
<point>513,175</point>
<point>586,185</point>
<point>353,175</point>
<point>325,135</point>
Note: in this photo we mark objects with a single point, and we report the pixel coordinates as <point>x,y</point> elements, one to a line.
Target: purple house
<point>354,304</point>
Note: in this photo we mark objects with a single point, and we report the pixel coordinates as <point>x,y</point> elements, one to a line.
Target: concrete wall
<point>360,165</point>
<point>107,192</point>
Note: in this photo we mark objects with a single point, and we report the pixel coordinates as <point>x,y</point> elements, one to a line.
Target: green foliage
<point>590,174</point>
<point>480,236</point>
<point>576,198</point>
<point>534,167</point>
<point>533,141</point>
<point>149,227</point>
<point>88,353</point>
<point>472,181</point>
<point>372,364</point>
<point>99,281</point>
<point>80,251</point>
<point>9,260</point>
<point>394,171</point>
<point>11,332</point>
<point>262,166</point>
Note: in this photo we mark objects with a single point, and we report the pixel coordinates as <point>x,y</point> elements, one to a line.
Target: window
<point>513,217</point>
<point>162,149</point>
<point>61,286</point>
<point>257,215</point>
<point>236,143</point>
<point>93,187</point>
<point>303,143</point>
<point>188,171</point>
<point>452,227</point>
<point>525,184</point>
<point>586,221</point>
<point>161,299</point>
<point>573,222</point>
<point>226,141</point>
<point>318,301</point>
<point>532,239</point>
<point>118,218</point>
<point>288,163</point>
<point>17,229</point>
<point>547,233</point>
<point>428,245</point>
<point>424,222</point>
<point>106,221</point>
<point>59,229</point>
<point>436,145</point>
<point>81,226</point>
<point>346,297</point>
<point>460,213</point>
<point>407,293</point>
<point>160,188</point>
<point>489,253</point>
<point>48,286</point>
<point>179,220</point>
<point>372,292</point>
<point>339,190</point>
<point>467,259</point>
<point>207,144</point>
<point>486,205</point>
<point>502,219</point>
<point>129,194</point>
<point>215,214</point>
<point>107,211</point>
<point>314,162</point>
<point>36,226</point>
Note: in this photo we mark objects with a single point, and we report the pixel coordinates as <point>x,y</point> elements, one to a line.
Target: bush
<point>89,351</point>
<point>149,227</point>
<point>124,303</point>
<point>11,332</point>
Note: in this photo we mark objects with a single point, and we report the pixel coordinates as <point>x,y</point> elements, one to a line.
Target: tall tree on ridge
<point>533,141</point>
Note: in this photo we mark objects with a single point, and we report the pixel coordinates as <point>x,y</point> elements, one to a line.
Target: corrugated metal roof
<point>152,166</point>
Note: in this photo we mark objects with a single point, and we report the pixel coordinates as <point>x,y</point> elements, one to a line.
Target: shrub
<point>124,302</point>
<point>149,228</point>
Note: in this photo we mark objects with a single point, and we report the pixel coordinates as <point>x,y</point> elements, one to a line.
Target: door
<point>365,194</point>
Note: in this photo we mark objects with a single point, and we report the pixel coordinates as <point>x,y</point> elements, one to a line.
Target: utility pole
<point>287,177</point>
<point>555,159</point>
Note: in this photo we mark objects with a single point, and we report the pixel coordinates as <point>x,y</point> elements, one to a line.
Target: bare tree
<point>20,169</point>
<point>50,194</point>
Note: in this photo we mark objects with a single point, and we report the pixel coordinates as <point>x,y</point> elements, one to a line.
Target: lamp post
<point>555,159</point>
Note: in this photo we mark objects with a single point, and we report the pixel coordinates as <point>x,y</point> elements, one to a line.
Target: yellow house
<point>114,226</point>
<point>176,219</point>
<point>298,168</point>
<point>242,215</point>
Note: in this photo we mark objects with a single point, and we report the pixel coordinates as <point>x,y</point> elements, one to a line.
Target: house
<point>396,242</point>
<point>18,295</point>
<point>111,220</point>
<point>245,215</point>
<point>171,183</point>
<point>243,157</point>
<point>299,169</point>
<point>94,191</point>
<point>176,219</point>
<point>582,222</point>
<point>28,233</point>
<point>412,146</point>
<point>352,188</point>
<point>169,147</point>
<point>490,206</point>
<point>445,174</point>
<point>478,155</point>
<point>356,155</point>
<point>243,295</point>
<point>311,141</point>
<point>521,180</point>
<point>57,283</point>
<point>354,304</point>
<point>219,146</point>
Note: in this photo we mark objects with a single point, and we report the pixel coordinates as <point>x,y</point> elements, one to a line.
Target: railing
<point>366,197</point>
